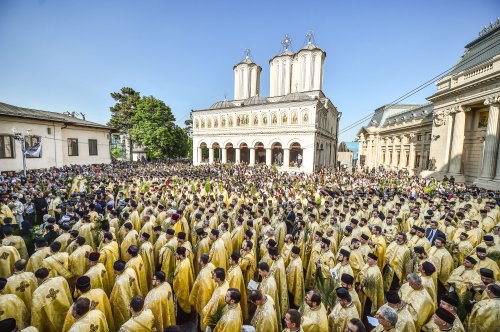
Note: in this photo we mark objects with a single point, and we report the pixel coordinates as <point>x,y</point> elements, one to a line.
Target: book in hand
<point>253,285</point>
<point>334,273</point>
<point>372,320</point>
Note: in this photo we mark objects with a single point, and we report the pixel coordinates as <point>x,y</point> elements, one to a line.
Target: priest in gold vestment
<point>235,280</point>
<point>264,319</point>
<point>485,315</point>
<point>231,319</point>
<point>420,304</point>
<point>160,300</point>
<point>11,306</point>
<point>203,286</point>
<point>124,289</point>
<point>217,300</point>
<point>87,319</point>
<point>141,320</point>
<point>295,278</point>
<point>137,264</point>
<point>183,280</point>
<point>372,288</point>
<point>22,283</point>
<point>343,311</point>
<point>314,318</point>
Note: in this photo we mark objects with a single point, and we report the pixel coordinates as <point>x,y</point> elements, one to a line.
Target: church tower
<point>246,78</point>
<point>280,68</point>
<point>307,74</point>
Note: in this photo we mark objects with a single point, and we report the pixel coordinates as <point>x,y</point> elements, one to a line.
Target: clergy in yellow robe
<point>295,278</point>
<point>78,264</point>
<point>247,261</point>
<point>11,306</point>
<point>8,256</point>
<point>167,255</point>
<point>203,286</point>
<point>314,318</point>
<point>15,241</point>
<point>92,320</point>
<point>232,318</point>
<point>98,300</point>
<point>97,273</point>
<point>379,246</point>
<point>22,283</point>
<point>142,319</point>
<point>420,304</point>
<point>146,251</point>
<point>485,315</point>
<point>442,260</point>
<point>202,247</point>
<point>372,287</point>
<point>485,262</point>
<point>405,319</point>
<point>51,301</point>
<point>347,281</point>
<point>235,280</point>
<point>108,255</point>
<point>268,286</point>
<point>217,300</point>
<point>465,277</point>
<point>137,264</point>
<point>124,289</point>
<point>58,262</point>
<point>35,260</point>
<point>314,255</point>
<point>264,319</point>
<point>183,280</point>
<point>130,239</point>
<point>397,256</point>
<point>160,300</point>
<point>278,270</point>
<point>343,311</point>
<point>218,255</point>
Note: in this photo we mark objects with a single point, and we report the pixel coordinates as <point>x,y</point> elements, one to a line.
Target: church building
<point>295,128</point>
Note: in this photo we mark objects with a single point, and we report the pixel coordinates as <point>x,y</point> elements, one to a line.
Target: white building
<point>65,140</point>
<point>296,125</point>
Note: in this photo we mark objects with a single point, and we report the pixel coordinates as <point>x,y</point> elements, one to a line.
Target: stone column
<point>394,154</point>
<point>286,157</point>
<point>360,149</point>
<point>369,154</point>
<point>224,155</point>
<point>237,158</point>
<point>402,159</point>
<point>421,166</point>
<point>491,141</point>
<point>269,154</point>
<point>457,143</point>
<point>387,152</point>
<point>411,160</point>
<point>252,156</point>
<point>210,155</point>
<point>200,155</point>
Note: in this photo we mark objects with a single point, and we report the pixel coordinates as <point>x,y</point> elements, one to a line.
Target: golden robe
<point>443,262</point>
<point>203,288</point>
<point>78,263</point>
<point>146,251</point>
<point>136,263</point>
<point>22,284</point>
<point>372,285</point>
<point>218,255</point>
<point>397,257</point>
<point>94,320</point>
<point>64,239</point>
<point>341,268</point>
<point>203,247</point>
<point>86,231</point>
<point>264,319</point>
<point>278,270</point>
<point>8,256</point>
<point>160,300</point>
<point>405,319</point>
<point>51,301</point>
<point>235,280</point>
<point>124,289</point>
<point>183,283</point>
<point>420,304</point>
<point>489,264</point>
<point>98,301</point>
<point>217,301</point>
<point>231,319</point>
<point>18,243</point>
<point>356,301</point>
<point>379,249</point>
<point>461,278</point>
<point>11,306</point>
<point>357,261</point>
<point>167,258</point>
<point>340,316</point>
<point>142,322</point>
<point>295,280</point>
<point>248,266</point>
<point>314,319</point>
<point>311,267</point>
<point>130,239</point>
<point>485,316</point>
<point>109,255</point>
<point>97,275</point>
<point>58,265</point>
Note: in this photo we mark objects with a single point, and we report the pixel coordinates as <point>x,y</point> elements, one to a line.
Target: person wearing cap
<point>65,237</point>
<point>421,240</point>
<point>372,286</point>
<point>148,225</point>
<point>487,277</point>
<point>248,264</point>
<point>485,262</point>
<point>15,241</point>
<point>183,281</point>
<point>295,278</point>
<point>405,319</point>
<point>465,277</point>
<point>420,303</point>
<point>347,282</point>
<point>160,300</point>
<point>97,273</point>
<point>11,306</point>
<point>166,256</point>
<point>98,299</point>
<point>427,270</point>
<point>364,247</point>
<point>9,256</point>
<point>485,313</point>
<point>226,238</point>
<point>183,242</point>
<point>326,260</point>
<point>22,283</point>
<point>124,289</point>
<point>142,319</point>
<point>277,269</point>
<point>237,234</point>
<point>236,280</point>
<point>314,255</point>
<point>146,251</point>
<point>443,320</point>
<point>463,248</point>
<point>343,311</point>
<point>265,318</point>
<point>134,217</point>
<point>58,262</point>
<point>203,286</point>
<point>286,249</point>
<point>449,302</point>
<point>343,266</point>
<point>86,230</point>
<point>5,212</point>
<point>78,258</point>
<point>379,245</point>
<point>218,255</point>
<point>86,318</point>
<point>314,317</point>
<point>443,261</point>
<point>50,302</point>
<point>202,247</point>
<point>108,255</point>
<point>397,256</point>
<point>129,239</point>
<point>217,300</point>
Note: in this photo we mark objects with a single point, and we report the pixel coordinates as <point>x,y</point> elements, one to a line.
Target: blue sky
<point>67,55</point>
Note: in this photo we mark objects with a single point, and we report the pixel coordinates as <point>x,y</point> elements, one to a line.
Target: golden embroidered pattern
<point>5,255</point>
<point>52,294</point>
<point>22,286</point>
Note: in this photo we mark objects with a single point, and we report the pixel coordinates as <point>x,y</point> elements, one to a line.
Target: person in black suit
<point>432,233</point>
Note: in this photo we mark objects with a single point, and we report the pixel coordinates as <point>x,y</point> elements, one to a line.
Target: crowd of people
<point>175,247</point>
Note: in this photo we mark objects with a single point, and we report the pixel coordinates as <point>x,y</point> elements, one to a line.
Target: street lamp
<point>18,136</point>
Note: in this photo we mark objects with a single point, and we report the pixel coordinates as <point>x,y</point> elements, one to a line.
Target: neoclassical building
<point>457,134</point>
<point>398,137</point>
<point>295,126</point>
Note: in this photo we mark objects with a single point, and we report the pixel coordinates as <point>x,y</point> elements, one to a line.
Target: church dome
<point>221,104</point>
<point>255,100</point>
<point>296,96</point>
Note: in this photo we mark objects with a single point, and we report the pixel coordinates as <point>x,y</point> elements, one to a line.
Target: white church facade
<point>295,128</point>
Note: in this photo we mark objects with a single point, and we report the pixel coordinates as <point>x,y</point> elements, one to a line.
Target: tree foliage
<point>124,109</point>
<point>153,127</point>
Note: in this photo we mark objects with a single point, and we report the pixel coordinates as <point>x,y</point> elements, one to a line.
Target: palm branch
<point>495,256</point>
<point>464,304</point>
<point>370,284</point>
<point>326,286</point>
<point>214,318</point>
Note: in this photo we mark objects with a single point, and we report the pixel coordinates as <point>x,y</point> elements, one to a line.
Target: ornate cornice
<point>492,100</point>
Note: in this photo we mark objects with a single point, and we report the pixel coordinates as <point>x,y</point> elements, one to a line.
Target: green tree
<point>154,128</point>
<point>188,129</point>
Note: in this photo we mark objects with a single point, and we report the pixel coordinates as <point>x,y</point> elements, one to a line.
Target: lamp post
<point>18,136</point>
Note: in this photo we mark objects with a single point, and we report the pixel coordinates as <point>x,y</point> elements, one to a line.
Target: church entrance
<point>244,153</point>
<point>296,155</point>
<point>230,153</point>
<point>204,153</point>
<point>277,154</point>
<point>217,152</point>
<point>260,153</point>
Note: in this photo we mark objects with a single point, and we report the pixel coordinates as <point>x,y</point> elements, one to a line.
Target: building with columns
<point>398,137</point>
<point>466,115</point>
<point>457,134</point>
<point>294,128</point>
